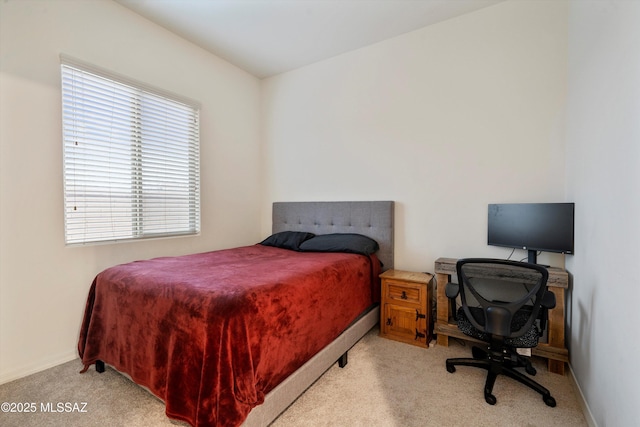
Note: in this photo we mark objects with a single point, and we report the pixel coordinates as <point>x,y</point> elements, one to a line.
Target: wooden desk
<point>554,350</point>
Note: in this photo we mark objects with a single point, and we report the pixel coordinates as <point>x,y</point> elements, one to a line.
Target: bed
<point>223,341</point>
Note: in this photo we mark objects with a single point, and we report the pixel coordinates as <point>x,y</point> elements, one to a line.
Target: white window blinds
<point>131,160</point>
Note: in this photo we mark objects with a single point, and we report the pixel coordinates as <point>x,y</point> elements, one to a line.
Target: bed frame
<point>374,219</point>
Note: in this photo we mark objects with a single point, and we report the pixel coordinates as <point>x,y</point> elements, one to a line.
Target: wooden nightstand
<point>405,307</point>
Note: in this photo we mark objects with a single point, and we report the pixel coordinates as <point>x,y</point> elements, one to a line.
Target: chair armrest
<point>452,290</point>
<point>548,300</point>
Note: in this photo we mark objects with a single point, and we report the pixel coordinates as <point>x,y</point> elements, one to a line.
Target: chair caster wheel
<point>530,370</point>
<point>451,368</point>
<point>490,398</point>
<point>478,353</point>
<point>549,401</point>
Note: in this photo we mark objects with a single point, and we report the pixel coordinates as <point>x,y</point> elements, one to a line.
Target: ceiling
<point>269,37</point>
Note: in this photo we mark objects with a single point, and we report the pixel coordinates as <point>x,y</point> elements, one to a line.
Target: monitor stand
<point>532,258</point>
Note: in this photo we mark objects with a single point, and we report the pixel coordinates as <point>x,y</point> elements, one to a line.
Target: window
<point>131,159</point>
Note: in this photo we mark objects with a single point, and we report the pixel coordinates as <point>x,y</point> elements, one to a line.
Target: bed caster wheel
<point>549,401</point>
<point>490,398</point>
<point>451,368</point>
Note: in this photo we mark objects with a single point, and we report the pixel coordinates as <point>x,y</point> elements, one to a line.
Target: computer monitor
<point>534,227</point>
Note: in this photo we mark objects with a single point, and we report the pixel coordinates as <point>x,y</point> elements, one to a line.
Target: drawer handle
<point>404,295</point>
<point>420,316</point>
<point>389,321</point>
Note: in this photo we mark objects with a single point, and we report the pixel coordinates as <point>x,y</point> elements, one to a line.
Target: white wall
<point>43,284</point>
<point>443,120</point>
<point>603,177</point>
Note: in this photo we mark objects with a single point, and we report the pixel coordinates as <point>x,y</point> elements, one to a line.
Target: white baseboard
<point>581,400</point>
<point>33,368</point>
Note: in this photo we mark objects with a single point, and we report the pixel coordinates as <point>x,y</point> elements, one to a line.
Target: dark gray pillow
<point>287,239</point>
<point>341,242</point>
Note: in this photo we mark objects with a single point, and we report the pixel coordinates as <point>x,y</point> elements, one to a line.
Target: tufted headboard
<point>372,219</point>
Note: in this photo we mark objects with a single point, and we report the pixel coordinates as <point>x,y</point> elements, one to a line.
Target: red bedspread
<point>212,333</point>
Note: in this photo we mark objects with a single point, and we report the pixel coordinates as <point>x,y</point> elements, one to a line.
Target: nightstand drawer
<point>404,292</point>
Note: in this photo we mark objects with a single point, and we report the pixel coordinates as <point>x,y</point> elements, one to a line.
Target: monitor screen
<point>532,226</point>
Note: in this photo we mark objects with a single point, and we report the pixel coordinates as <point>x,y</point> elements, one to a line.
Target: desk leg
<point>555,333</point>
<point>443,307</point>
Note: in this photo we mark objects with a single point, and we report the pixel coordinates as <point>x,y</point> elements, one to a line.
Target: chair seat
<point>528,340</point>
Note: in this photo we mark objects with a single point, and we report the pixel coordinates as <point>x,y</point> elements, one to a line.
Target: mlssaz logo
<point>64,407</point>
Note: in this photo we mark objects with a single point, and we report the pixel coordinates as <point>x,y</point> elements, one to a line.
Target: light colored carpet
<point>385,383</point>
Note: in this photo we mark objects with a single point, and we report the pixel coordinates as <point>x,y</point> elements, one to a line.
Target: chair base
<point>501,363</point>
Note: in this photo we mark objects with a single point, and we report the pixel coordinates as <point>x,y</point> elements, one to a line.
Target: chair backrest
<point>492,291</point>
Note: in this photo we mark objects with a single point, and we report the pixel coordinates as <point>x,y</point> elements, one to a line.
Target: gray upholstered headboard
<point>373,219</point>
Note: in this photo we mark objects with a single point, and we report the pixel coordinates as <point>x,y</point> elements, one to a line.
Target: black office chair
<point>504,304</point>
